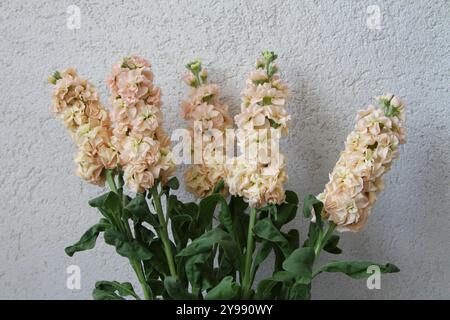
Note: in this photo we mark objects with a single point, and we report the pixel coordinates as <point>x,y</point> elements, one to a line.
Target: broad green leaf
<point>173,183</point>
<point>240,220</point>
<point>331,245</point>
<point>299,263</point>
<point>144,235</point>
<point>199,271</point>
<point>300,291</point>
<point>313,235</point>
<point>291,197</point>
<point>109,204</point>
<point>184,231</point>
<point>180,229</point>
<point>113,290</point>
<point>207,206</point>
<point>131,249</point>
<point>204,243</point>
<point>355,269</point>
<point>227,289</point>
<point>176,290</point>
<point>225,218</point>
<point>237,205</point>
<point>311,202</point>
<point>157,286</point>
<point>89,238</point>
<point>231,252</point>
<point>138,208</point>
<point>262,253</point>
<point>293,237</point>
<point>225,266</point>
<point>265,229</point>
<point>271,288</point>
<point>99,201</point>
<point>286,212</point>
<point>219,186</point>
<point>158,261</point>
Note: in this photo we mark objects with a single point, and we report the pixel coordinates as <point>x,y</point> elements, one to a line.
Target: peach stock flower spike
<point>205,115</point>
<point>369,150</point>
<point>142,143</point>
<point>76,102</point>
<point>258,174</point>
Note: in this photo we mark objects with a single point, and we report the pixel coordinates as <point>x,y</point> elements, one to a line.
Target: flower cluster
<point>143,145</point>
<point>259,173</point>
<point>356,179</point>
<point>208,119</point>
<point>77,103</point>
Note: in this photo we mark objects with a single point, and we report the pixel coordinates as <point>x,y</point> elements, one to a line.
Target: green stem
<point>123,224</point>
<point>137,267</point>
<point>163,234</point>
<point>247,281</point>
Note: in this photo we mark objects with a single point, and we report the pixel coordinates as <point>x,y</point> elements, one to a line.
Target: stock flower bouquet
<point>212,248</point>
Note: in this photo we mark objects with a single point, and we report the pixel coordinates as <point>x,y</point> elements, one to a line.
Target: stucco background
<point>330,55</point>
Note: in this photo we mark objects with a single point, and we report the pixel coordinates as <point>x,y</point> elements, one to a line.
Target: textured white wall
<point>331,59</point>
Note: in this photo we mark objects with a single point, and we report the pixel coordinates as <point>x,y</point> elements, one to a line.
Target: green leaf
<point>158,261</point>
<point>300,291</point>
<point>138,208</point>
<point>204,243</point>
<point>199,271</point>
<point>231,252</point>
<point>113,290</point>
<point>331,245</point>
<point>291,197</point>
<point>207,206</point>
<point>227,289</point>
<point>293,237</point>
<point>240,220</point>
<point>265,229</point>
<point>219,186</point>
<point>89,238</point>
<point>355,269</point>
<point>299,263</point>
<point>311,202</point>
<point>173,183</point>
<point>237,205</point>
<point>225,266</point>
<point>180,229</point>
<point>143,235</point>
<point>109,204</point>
<point>131,249</point>
<point>176,290</point>
<point>286,212</point>
<point>183,229</point>
<point>271,288</point>
<point>262,253</point>
<point>157,286</point>
<point>313,235</point>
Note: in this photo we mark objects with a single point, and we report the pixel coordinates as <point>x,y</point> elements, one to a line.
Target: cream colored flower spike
<point>76,102</point>
<point>356,179</point>
<point>206,115</point>
<point>136,115</point>
<point>258,174</point>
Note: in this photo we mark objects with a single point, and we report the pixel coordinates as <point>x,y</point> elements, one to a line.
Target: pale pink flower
<point>207,116</point>
<point>357,177</point>
<point>258,175</point>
